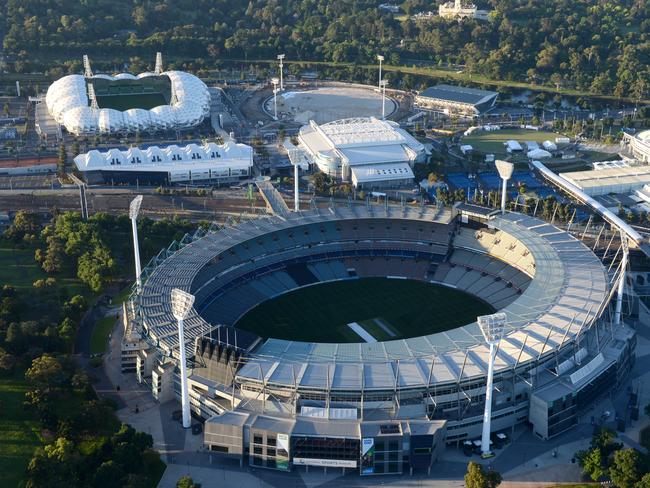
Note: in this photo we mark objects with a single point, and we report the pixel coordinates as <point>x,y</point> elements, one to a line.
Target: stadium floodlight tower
<point>382,85</point>
<point>381,60</point>
<point>296,194</point>
<point>134,210</point>
<point>181,305</point>
<point>281,59</point>
<point>275,82</point>
<point>621,281</point>
<point>505,170</point>
<point>492,328</point>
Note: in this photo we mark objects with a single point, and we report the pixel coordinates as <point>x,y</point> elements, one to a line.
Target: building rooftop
<point>458,94</point>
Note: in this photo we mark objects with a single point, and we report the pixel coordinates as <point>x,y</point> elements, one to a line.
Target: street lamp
<point>382,85</point>
<point>181,305</point>
<point>492,328</point>
<point>134,210</point>
<point>505,170</point>
<point>275,82</point>
<point>281,58</point>
<point>381,60</point>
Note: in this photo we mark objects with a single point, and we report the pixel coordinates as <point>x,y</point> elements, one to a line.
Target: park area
<point>384,308</point>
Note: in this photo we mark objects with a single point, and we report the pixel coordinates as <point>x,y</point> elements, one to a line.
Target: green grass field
<point>144,101</point>
<point>320,313</point>
<point>19,435</point>
<point>99,337</point>
<point>492,142</point>
<point>18,267</point>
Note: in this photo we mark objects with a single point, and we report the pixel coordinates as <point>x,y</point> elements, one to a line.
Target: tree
<point>46,371</point>
<point>94,267</point>
<point>591,462</point>
<point>625,470</point>
<point>108,475</point>
<point>7,361</point>
<point>187,482</point>
<point>643,482</point>
<point>477,477</point>
<point>62,160</point>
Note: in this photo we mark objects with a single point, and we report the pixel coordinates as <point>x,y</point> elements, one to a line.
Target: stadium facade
<point>638,145</point>
<point>208,163</point>
<point>456,100</point>
<point>75,102</point>
<point>384,407</point>
<point>368,152</point>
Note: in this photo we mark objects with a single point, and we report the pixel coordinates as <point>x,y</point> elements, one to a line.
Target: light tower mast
<point>621,280</point>
<point>275,82</point>
<point>281,59</point>
<point>296,193</point>
<point>159,63</point>
<point>134,210</point>
<point>492,328</point>
<point>181,305</point>
<point>505,170</point>
<point>381,60</point>
<point>383,84</point>
<point>88,72</point>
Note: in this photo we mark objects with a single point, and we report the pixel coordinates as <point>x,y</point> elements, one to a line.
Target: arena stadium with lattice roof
<point>386,406</point>
<point>125,103</point>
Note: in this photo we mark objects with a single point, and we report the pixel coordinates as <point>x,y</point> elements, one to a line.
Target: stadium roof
<point>567,293</point>
<point>364,140</point>
<point>193,157</point>
<point>68,101</point>
<point>458,94</point>
<point>624,179</point>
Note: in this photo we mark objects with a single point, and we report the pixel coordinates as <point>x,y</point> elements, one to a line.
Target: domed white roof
<point>125,76</point>
<point>67,101</point>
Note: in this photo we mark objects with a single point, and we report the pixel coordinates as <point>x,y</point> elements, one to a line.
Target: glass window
<point>257,439</point>
<point>257,450</point>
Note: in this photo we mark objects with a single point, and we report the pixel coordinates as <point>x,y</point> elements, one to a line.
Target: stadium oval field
<point>386,308</point>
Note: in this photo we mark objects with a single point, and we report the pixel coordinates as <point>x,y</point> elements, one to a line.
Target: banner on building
<point>367,455</point>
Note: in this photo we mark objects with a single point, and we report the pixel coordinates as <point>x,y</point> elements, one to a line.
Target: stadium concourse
<point>390,406</point>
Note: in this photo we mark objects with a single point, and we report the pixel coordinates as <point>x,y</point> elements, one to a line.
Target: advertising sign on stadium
<point>368,455</point>
<point>325,463</point>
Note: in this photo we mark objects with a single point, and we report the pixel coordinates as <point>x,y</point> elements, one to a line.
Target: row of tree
<point>601,47</point>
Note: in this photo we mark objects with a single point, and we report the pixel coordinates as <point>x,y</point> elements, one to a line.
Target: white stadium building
<point>73,102</point>
<point>166,165</point>
<point>370,153</point>
<point>638,145</point>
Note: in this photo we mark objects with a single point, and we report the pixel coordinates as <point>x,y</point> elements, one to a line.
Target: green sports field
<point>491,142</point>
<point>385,308</point>
<point>122,95</point>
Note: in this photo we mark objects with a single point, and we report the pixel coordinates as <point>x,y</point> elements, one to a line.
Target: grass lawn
<point>320,313</point>
<point>491,142</point>
<point>99,338</point>
<point>18,267</point>
<point>19,434</point>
